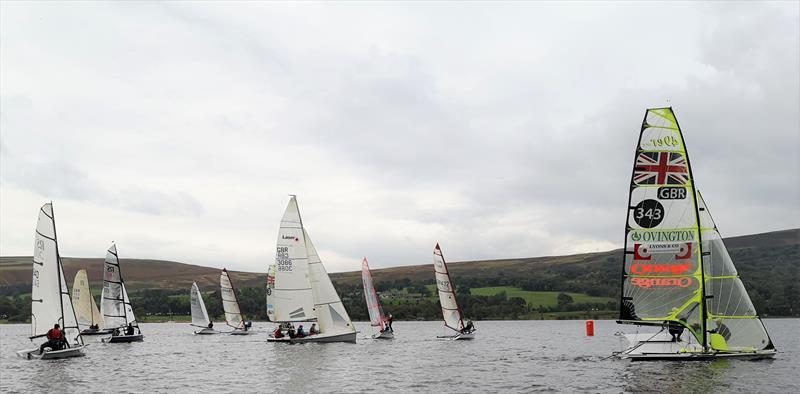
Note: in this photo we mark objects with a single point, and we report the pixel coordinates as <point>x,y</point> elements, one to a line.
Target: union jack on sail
<point>660,168</point>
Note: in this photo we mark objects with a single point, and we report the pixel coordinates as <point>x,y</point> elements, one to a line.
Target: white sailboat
<point>50,299</point>
<point>89,317</point>
<point>677,273</point>
<point>453,318</point>
<point>115,306</point>
<point>199,312</point>
<point>230,304</point>
<point>376,316</point>
<point>303,290</point>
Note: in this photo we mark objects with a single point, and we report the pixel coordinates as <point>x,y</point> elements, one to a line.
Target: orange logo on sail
<point>661,282</point>
<point>674,269</point>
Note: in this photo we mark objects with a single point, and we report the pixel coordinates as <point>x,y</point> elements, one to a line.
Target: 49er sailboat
<point>677,273</point>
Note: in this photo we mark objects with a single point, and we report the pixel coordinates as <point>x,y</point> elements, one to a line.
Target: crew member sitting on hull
<point>468,328</point>
<point>129,329</point>
<point>313,330</point>
<point>247,325</point>
<point>211,324</point>
<point>675,330</point>
<point>300,332</point>
<point>55,339</point>
<point>277,333</point>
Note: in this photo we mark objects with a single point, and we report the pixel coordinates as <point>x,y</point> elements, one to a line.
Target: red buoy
<point>590,328</point>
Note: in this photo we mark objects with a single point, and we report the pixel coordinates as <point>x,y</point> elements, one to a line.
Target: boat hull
<point>206,331</point>
<point>75,351</point>
<point>460,336</point>
<point>322,338</point>
<point>124,338</point>
<point>647,347</point>
<point>90,332</point>
<point>241,332</point>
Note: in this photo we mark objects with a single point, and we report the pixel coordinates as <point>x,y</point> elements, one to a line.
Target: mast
<point>58,259</point>
<point>702,254</point>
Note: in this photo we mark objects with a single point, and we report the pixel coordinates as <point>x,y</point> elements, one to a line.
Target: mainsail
<point>293,298</point>
<point>51,303</point>
<point>376,317</point>
<point>331,315</point>
<point>199,313</point>
<point>115,306</point>
<point>447,296</point>
<point>85,308</point>
<point>230,301</point>
<point>270,289</point>
<point>676,268</point>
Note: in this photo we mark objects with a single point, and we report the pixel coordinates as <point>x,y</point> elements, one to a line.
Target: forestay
<point>115,306</point>
<point>376,316</point>
<point>676,268</point>
<point>85,308</point>
<point>230,302</point>
<point>50,298</point>
<point>293,299</point>
<point>199,313</point>
<point>447,296</point>
<point>331,314</point>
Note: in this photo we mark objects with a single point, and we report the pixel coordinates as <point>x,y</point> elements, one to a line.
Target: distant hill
<point>768,264</point>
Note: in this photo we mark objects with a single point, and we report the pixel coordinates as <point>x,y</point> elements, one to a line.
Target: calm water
<point>508,356</point>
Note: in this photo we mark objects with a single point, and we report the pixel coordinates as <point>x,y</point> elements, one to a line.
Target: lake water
<point>507,356</point>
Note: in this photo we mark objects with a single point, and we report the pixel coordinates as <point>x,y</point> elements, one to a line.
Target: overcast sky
<point>499,130</point>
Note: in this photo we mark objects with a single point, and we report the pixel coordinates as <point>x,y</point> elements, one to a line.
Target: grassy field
<point>536,298</point>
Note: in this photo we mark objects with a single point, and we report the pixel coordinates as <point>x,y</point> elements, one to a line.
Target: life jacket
<point>54,334</point>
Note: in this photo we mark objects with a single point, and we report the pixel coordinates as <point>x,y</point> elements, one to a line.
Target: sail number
<point>648,213</point>
<point>668,141</point>
<point>671,193</point>
<point>282,260</point>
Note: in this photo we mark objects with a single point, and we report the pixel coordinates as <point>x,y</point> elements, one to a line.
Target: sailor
<point>675,330</point>
<point>389,322</point>
<point>277,333</point>
<point>290,331</point>
<point>210,324</point>
<point>247,325</point>
<point>129,329</point>
<point>468,328</point>
<point>300,332</point>
<point>313,330</point>
<point>55,339</point>
<point>94,327</point>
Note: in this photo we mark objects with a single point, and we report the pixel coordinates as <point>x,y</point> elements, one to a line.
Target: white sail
<point>51,303</point>
<point>115,306</point>
<point>230,302</point>
<point>331,315</point>
<point>270,289</point>
<point>85,308</point>
<point>447,295</point>
<point>293,298</point>
<point>199,313</point>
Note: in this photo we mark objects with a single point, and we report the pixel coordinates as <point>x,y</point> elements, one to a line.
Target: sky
<point>499,130</point>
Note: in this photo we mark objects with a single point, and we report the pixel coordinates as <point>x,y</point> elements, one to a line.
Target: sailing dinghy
<point>115,305</point>
<point>230,304</point>
<point>376,316</point>
<point>199,312</point>
<point>89,317</point>
<point>453,318</point>
<point>677,273</point>
<point>303,291</point>
<point>50,300</point>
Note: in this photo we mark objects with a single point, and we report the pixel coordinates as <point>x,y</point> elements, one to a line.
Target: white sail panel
<point>270,295</point>
<point>115,305</point>
<point>198,307</point>
<point>293,299</point>
<point>230,302</point>
<point>85,307</point>
<point>51,303</point>
<point>331,314</point>
<point>376,317</point>
<point>447,296</point>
